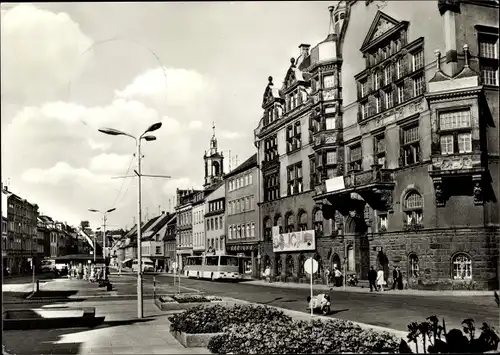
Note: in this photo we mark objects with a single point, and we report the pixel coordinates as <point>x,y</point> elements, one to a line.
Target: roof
<point>247,164</point>
<point>161,221</point>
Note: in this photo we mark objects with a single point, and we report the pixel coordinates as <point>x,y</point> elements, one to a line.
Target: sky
<point>68,69</point>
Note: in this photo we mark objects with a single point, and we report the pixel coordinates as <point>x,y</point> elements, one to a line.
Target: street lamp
<point>104,219</point>
<point>148,138</point>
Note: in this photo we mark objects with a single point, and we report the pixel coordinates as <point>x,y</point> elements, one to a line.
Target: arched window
<point>278,221</point>
<point>302,260</point>
<point>290,266</point>
<point>413,207</point>
<point>318,273</point>
<point>268,230</point>
<point>302,221</point>
<point>278,266</point>
<point>318,222</point>
<point>216,244</point>
<point>413,266</point>
<point>289,223</point>
<point>462,267</point>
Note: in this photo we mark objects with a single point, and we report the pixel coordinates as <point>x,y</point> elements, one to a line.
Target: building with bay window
<point>392,159</point>
<point>214,221</point>
<point>420,142</point>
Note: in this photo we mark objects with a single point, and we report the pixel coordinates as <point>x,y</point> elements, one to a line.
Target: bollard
<point>154,287</point>
<point>37,285</point>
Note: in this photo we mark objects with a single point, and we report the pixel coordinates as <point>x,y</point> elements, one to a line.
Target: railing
<point>376,175</point>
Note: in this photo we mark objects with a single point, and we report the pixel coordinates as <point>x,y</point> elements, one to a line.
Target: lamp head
<point>153,127</point>
<point>111,131</point>
<point>149,138</point>
<point>93,210</point>
<point>110,210</point>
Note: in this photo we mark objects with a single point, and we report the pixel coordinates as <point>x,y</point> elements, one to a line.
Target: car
<point>147,266</point>
<point>48,266</point>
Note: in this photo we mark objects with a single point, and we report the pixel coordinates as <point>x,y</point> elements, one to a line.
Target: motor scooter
<point>320,303</point>
<point>352,280</point>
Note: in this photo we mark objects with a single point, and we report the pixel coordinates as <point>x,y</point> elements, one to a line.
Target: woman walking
<point>380,279</point>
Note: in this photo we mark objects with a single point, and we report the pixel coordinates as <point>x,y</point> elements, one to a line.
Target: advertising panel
<point>294,241</point>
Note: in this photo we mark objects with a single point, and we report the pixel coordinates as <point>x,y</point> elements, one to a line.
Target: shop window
<point>413,266</point>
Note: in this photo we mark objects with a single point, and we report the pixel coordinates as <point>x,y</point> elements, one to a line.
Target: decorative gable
<point>381,24</point>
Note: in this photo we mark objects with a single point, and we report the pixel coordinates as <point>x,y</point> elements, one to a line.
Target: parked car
<point>48,266</point>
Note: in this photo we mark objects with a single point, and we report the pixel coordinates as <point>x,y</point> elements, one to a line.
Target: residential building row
<point>29,237</point>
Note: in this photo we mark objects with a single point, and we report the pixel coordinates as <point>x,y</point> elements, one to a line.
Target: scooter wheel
<point>326,310</point>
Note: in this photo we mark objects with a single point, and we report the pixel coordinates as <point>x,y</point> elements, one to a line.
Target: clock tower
<point>214,163</point>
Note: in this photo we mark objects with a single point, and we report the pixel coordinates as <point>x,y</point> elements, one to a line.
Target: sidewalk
<point>367,290</point>
<point>121,333</point>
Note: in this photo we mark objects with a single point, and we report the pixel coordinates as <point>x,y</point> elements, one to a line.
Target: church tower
<point>214,163</point>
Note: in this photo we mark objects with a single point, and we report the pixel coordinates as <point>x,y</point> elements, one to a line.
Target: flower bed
<point>183,301</point>
<point>296,337</point>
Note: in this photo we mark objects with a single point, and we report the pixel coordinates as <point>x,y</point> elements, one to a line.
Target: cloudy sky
<point>70,68</point>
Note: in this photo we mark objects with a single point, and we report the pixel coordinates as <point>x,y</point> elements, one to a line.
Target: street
<point>380,309</point>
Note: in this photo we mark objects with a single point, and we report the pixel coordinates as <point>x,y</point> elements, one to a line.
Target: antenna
<point>230,160</point>
<point>236,160</point>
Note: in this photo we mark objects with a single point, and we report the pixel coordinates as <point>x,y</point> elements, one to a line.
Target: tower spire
<point>213,128</point>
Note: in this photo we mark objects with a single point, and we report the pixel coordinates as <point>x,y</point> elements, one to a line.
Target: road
<point>380,309</point>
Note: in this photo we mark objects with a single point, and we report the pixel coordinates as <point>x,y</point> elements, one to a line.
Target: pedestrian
<point>372,277</point>
<point>267,273</point>
<point>400,279</point>
<point>338,277</point>
<point>327,276</point>
<point>395,277</point>
<point>380,279</point>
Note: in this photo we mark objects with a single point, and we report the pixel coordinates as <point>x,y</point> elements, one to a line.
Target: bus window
<point>197,261</point>
<point>229,260</point>
<point>212,260</point>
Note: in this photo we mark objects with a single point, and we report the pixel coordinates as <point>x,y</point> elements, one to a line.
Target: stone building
<point>403,143</point>
<point>215,235</point>
<point>242,213</point>
<point>168,232</point>
<point>199,223</point>
<point>184,211</point>
<point>21,241</point>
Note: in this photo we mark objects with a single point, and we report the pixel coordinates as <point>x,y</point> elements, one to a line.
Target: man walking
<point>372,277</point>
<point>395,277</point>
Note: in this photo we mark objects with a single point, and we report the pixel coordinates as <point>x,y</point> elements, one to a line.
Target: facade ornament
<point>439,193</point>
<point>478,191</point>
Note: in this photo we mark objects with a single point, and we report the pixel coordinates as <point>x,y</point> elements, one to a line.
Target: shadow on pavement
<point>336,311</point>
<point>46,341</point>
<point>53,294</point>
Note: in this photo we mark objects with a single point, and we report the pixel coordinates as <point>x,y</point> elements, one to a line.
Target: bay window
<point>455,132</point>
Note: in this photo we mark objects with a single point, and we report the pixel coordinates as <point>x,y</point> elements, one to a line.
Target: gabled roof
<point>247,164</point>
<point>382,24</point>
<point>160,222</point>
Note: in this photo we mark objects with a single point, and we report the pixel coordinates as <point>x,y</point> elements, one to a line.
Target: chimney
<point>304,50</point>
<point>6,188</point>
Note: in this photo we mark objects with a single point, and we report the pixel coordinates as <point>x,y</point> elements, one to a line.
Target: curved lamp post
<point>115,132</point>
<point>104,219</point>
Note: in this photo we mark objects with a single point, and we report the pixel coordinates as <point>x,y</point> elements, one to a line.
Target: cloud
<point>231,135</point>
<point>110,163</point>
<point>172,86</point>
<point>98,146</point>
<point>169,188</point>
<point>62,172</point>
<point>41,52</point>
<point>195,125</point>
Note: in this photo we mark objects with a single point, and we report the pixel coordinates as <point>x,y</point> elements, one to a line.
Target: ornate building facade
<point>402,144</point>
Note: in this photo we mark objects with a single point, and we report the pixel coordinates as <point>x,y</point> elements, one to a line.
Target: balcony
<point>266,164</point>
<point>459,174</point>
<point>373,186</point>
<point>324,138</point>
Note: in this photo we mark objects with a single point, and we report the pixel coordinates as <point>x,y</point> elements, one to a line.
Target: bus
<point>217,267</point>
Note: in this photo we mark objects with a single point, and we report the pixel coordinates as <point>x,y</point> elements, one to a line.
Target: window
<point>278,222</point>
<point>488,58</point>
<point>211,223</point>
<point>221,224</point>
<point>388,99</point>
<point>331,158</point>
<point>250,179</point>
<point>355,157</point>
<point>419,85</point>
<point>271,187</point>
<point>381,222</point>
<point>462,267</point>
<point>268,229</point>
<point>376,79</point>
<point>252,230</point>
<point>455,129</point>
<point>413,206</point>
<point>208,225</point>
<point>387,75</point>
<point>216,223</point>
<point>413,267</point>
<point>238,234</point>
<point>363,88</point>
<point>246,180</point>
<point>378,104</point>
<point>331,173</point>
<point>400,68</point>
<point>328,81</point>
<point>330,122</point>
<point>294,179</point>
<point>271,148</point>
<point>401,94</point>
<point>230,232</point>
<point>364,111</point>
<point>302,221</point>
<point>418,60</point>
<point>289,223</point>
<point>312,171</point>
<point>411,146</point>
<point>293,137</point>
<point>318,223</point>
<point>380,149</point>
